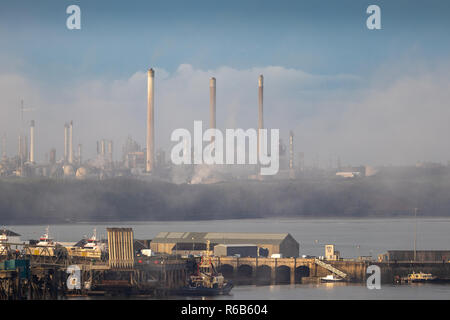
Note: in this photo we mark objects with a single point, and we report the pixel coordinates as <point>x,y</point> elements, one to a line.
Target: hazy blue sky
<point>327,76</point>
<point>120,37</point>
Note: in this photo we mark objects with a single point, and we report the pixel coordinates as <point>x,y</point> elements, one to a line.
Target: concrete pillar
<point>292,280</point>
<point>150,120</point>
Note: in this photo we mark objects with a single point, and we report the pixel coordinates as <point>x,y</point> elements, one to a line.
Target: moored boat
<point>419,277</point>
<point>45,246</point>
<point>205,281</point>
<point>331,278</point>
<point>88,248</point>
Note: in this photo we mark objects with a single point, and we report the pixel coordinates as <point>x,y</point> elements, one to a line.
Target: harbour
<point>259,274</point>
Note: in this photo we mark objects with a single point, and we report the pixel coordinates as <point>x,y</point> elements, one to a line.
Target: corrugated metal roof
<point>241,235</point>
<point>9,233</point>
<point>221,237</point>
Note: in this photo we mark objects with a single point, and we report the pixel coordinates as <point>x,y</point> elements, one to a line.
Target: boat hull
<point>331,281</point>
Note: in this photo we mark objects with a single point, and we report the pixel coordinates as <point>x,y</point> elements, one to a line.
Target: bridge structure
<point>300,270</point>
<point>287,270</point>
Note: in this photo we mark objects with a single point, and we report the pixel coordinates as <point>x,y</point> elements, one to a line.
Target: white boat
<point>89,248</point>
<point>92,243</point>
<point>331,278</point>
<point>45,246</point>
<point>420,277</point>
<point>45,240</point>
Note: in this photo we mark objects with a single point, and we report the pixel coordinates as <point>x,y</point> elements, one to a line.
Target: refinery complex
<point>132,159</point>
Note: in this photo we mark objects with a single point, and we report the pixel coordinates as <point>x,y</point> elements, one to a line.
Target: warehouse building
<point>196,242</point>
<point>236,250</point>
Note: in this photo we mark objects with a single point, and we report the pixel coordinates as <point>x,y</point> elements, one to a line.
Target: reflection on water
<point>340,291</point>
<point>320,291</point>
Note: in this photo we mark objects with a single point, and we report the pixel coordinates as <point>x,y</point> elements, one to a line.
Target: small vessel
<point>45,246</point>
<point>205,281</point>
<point>88,248</point>
<point>331,278</point>
<point>92,243</point>
<point>421,277</point>
<point>45,240</point>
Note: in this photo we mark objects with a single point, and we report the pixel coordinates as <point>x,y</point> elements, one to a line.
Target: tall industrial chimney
<point>32,141</point>
<point>71,143</point>
<point>102,147</point>
<point>212,104</point>
<point>66,142</point>
<point>291,150</point>
<point>150,120</point>
<point>260,109</point>
<point>110,151</point>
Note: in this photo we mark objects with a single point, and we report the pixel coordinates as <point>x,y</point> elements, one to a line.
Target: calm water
<point>368,237</point>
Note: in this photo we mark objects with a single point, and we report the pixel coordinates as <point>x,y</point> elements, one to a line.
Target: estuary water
<point>352,237</point>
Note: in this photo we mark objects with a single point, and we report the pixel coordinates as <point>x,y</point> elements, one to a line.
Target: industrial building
<point>419,255</point>
<point>148,161</point>
<point>196,242</point>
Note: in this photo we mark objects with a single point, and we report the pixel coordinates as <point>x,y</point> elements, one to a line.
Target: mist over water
<point>373,236</point>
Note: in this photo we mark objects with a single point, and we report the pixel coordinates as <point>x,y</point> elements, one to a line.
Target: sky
<point>365,96</point>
